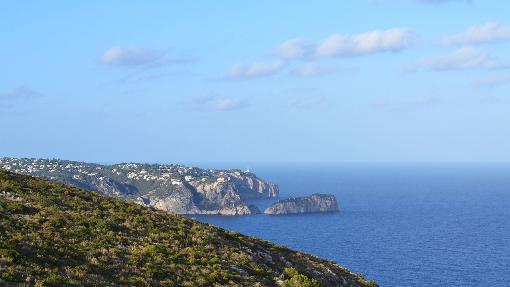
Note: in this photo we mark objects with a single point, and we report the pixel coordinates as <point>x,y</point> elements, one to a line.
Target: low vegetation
<point>56,235</point>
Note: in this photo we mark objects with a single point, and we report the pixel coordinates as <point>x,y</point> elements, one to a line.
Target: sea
<point>399,224</point>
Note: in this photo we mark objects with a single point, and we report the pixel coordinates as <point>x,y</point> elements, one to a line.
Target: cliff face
<point>308,204</point>
<point>204,198</point>
<point>252,187</point>
<point>57,235</point>
<point>173,188</point>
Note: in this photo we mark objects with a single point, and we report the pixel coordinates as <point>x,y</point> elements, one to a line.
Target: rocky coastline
<point>174,188</point>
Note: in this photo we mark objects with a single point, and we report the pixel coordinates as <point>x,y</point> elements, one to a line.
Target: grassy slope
<point>53,234</point>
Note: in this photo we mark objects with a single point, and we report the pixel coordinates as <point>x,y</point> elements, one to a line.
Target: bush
<point>298,280</point>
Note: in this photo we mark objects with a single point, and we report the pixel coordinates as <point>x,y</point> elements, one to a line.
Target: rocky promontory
<point>169,187</point>
<point>309,204</point>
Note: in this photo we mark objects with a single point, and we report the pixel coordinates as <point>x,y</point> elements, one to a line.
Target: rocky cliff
<point>174,188</point>
<point>308,204</point>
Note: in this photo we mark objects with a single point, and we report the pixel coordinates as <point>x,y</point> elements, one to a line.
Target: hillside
<point>169,187</point>
<point>52,234</point>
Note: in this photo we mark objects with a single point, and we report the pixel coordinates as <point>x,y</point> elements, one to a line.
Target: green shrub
<point>290,271</point>
<point>298,280</point>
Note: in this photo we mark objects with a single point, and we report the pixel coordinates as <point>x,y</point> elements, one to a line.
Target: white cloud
<point>311,70</point>
<point>376,41</point>
<point>138,57</point>
<point>257,69</point>
<point>21,92</point>
<point>464,58</point>
<point>478,34</point>
<point>214,103</point>
<point>296,48</point>
<point>371,42</point>
<point>336,45</point>
<point>129,56</point>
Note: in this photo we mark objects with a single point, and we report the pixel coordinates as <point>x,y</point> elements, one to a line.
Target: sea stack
<point>310,204</point>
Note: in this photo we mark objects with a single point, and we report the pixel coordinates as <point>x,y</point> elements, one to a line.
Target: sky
<point>256,81</point>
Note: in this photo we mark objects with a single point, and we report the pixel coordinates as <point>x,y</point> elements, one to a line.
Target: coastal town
<point>170,187</point>
<point>173,174</point>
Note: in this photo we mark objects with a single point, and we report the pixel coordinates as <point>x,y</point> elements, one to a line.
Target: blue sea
<point>401,225</point>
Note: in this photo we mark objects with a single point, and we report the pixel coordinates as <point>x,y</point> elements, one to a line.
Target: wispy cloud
<point>412,102</point>
<point>479,34</point>
<point>311,70</point>
<point>215,103</point>
<point>255,70</point>
<point>307,102</point>
<point>139,57</point>
<point>21,92</point>
<point>297,48</point>
<point>145,76</point>
<point>492,81</point>
<point>462,59</point>
<point>128,57</point>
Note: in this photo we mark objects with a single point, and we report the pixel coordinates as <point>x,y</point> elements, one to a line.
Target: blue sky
<point>256,81</point>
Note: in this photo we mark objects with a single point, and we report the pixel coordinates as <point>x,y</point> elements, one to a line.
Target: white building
<point>176,182</point>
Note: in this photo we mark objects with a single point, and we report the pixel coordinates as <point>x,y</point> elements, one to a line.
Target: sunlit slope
<point>54,234</point>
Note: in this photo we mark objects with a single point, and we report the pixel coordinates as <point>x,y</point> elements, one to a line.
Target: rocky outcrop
<point>174,188</point>
<point>309,204</point>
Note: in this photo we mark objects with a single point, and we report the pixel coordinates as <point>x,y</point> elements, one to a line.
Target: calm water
<point>400,225</point>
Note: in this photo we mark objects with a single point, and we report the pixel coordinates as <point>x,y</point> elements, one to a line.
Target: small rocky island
<point>309,204</point>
